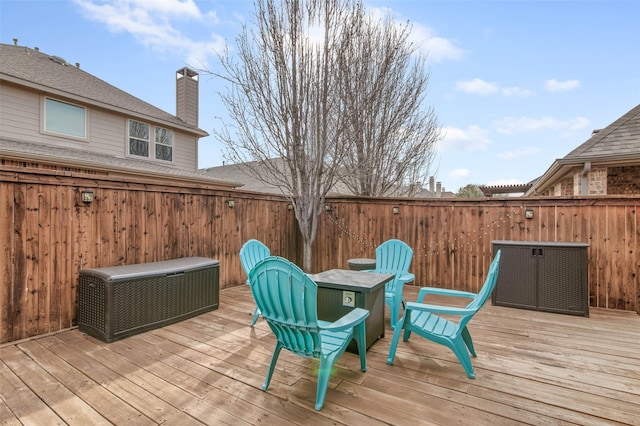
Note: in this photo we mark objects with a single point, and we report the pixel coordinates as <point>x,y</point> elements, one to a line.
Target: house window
<point>64,118</point>
<point>138,139</point>
<point>164,144</point>
<point>140,143</point>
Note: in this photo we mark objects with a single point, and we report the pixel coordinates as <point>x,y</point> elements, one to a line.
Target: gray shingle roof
<point>242,172</point>
<point>245,173</point>
<point>35,69</point>
<point>618,143</point>
<point>622,137</point>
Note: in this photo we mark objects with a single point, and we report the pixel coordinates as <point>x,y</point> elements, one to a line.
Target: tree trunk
<point>307,256</point>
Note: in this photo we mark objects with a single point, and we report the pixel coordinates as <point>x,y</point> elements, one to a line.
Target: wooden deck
<point>532,368</point>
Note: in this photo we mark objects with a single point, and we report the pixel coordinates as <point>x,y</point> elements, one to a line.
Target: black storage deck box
<point>543,276</point>
<point>120,301</point>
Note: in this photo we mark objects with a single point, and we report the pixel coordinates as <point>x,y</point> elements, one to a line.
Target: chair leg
<point>272,366</point>
<point>460,350</point>
<point>395,339</point>
<point>323,381</point>
<point>467,341</point>
<point>361,342</point>
<point>256,315</point>
<point>406,335</point>
<point>393,315</point>
<point>394,311</point>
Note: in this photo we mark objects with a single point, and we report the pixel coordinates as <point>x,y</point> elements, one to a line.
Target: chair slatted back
<point>252,252</point>
<point>393,257</point>
<point>484,293</point>
<point>287,298</point>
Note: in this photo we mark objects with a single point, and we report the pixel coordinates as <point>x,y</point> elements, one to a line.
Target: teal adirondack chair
<point>394,257</point>
<point>423,319</point>
<point>287,298</point>
<point>252,252</point>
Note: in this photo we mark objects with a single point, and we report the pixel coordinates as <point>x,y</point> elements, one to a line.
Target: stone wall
<point>564,188</point>
<point>597,181</point>
<point>623,180</point>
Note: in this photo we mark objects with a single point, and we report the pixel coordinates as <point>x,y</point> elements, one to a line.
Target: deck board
<point>532,368</point>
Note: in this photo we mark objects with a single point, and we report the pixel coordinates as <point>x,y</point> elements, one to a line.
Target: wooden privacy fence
<point>47,235</point>
<point>451,238</point>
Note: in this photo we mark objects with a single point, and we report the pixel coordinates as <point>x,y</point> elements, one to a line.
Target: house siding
<point>186,156</point>
<point>19,115</point>
<point>20,119</point>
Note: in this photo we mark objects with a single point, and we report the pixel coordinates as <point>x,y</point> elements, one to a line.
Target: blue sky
<point>515,84</point>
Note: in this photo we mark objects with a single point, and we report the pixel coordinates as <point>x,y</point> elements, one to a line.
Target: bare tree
<point>283,103</point>
<point>320,86</point>
<point>392,134</point>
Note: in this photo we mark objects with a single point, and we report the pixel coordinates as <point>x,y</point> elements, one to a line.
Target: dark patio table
<point>341,290</point>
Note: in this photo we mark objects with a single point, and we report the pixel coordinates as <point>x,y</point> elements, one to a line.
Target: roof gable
<point>52,74</point>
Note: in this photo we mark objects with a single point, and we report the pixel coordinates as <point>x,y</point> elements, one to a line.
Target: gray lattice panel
<point>118,302</point>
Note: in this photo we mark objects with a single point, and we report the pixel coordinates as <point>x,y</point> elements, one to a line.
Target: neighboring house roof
<point>76,158</point>
<point>32,68</point>
<point>245,173</point>
<point>616,144</point>
<point>242,172</point>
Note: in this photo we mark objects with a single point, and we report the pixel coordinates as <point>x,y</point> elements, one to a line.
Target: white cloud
<point>560,86</point>
<point>478,86</point>
<point>578,123</point>
<point>460,174</point>
<point>473,138</point>
<point>514,125</point>
<point>152,24</point>
<point>515,91</point>
<point>436,47</point>
<point>525,152</point>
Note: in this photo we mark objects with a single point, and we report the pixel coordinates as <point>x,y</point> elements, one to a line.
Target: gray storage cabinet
<point>543,276</point>
<point>117,302</point>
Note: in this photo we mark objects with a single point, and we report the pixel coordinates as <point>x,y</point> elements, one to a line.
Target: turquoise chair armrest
<point>406,278</point>
<point>436,309</point>
<point>443,292</point>
<point>350,320</point>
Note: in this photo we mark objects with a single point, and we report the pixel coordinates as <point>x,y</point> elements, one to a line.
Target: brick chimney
<point>187,95</point>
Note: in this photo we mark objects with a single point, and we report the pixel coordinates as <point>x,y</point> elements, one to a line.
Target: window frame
<point>138,138</point>
<point>47,112</point>
<point>156,143</point>
<point>152,141</point>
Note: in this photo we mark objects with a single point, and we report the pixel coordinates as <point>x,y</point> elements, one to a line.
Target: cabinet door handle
<point>536,252</point>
